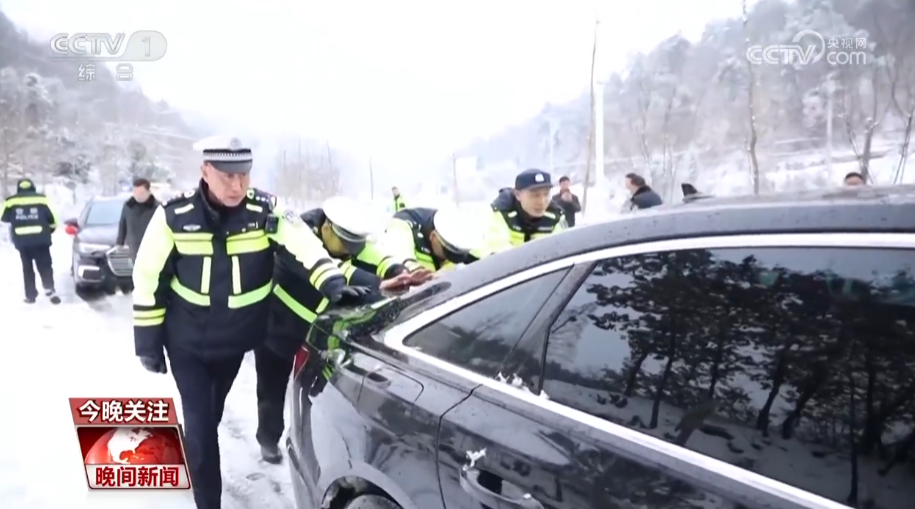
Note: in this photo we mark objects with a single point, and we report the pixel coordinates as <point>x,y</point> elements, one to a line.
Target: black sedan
<point>743,353</point>
<point>96,263</point>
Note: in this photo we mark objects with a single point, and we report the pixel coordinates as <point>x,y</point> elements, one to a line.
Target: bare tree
<point>899,72</point>
<point>587,182</point>
<point>753,138</point>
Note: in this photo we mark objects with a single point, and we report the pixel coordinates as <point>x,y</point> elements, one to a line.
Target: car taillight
<point>301,357</point>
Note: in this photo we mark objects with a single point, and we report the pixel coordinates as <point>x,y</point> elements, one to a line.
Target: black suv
<point>96,262</point>
<point>743,353</point>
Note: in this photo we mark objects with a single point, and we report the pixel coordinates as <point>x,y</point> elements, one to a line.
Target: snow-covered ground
<point>85,349</point>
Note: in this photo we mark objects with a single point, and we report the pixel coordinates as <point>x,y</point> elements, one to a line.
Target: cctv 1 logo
<point>140,46</point>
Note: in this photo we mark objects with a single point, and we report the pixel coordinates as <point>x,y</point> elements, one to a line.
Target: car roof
<point>117,197</point>
<point>848,210</point>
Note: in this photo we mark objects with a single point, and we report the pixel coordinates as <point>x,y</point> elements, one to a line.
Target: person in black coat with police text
<point>31,224</point>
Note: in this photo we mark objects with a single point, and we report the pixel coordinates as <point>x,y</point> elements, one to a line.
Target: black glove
<point>350,295</point>
<point>154,364</point>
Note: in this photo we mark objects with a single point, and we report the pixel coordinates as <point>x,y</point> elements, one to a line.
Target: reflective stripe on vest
<point>300,310</point>
<point>28,230</point>
<point>201,244</point>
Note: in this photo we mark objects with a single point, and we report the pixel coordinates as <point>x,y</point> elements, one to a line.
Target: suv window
<point>104,213</point>
<point>479,337</point>
<point>798,364</point>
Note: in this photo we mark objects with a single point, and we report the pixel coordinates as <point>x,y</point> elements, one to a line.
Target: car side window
<point>797,364</point>
<point>81,220</point>
<point>479,336</point>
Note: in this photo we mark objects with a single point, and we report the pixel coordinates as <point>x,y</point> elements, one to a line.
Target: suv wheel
<point>371,502</point>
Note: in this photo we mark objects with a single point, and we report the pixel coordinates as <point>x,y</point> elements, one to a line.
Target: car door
<point>478,337</point>
<point>733,372</point>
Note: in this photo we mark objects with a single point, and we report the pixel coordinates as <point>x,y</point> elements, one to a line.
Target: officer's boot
<point>271,453</point>
<point>29,300</point>
<point>51,294</point>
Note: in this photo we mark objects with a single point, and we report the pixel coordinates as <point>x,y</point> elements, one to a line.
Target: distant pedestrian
<point>854,179</point>
<point>135,216</point>
<point>31,224</point>
<point>399,204</point>
<point>643,197</point>
<point>567,201</point>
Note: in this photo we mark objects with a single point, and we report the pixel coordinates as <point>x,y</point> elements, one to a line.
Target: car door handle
<point>470,483</point>
<point>373,376</point>
<point>377,378</point>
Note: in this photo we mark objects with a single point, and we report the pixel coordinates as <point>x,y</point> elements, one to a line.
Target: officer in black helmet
<point>202,278</point>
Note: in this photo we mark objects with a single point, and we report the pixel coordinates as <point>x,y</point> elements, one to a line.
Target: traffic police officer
<point>201,280</point>
<point>431,239</point>
<point>31,223</point>
<point>343,227</point>
<point>524,213</point>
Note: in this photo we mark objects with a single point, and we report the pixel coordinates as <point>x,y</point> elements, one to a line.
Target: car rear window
<point>104,213</point>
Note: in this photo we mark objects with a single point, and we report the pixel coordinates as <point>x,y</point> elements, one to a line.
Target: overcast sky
<point>377,76</point>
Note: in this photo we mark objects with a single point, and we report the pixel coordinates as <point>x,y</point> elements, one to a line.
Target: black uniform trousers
<point>39,257</point>
<point>203,385</point>
<point>273,360</point>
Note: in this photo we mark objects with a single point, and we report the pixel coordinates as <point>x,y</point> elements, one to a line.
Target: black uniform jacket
<point>204,272</point>
<point>30,216</point>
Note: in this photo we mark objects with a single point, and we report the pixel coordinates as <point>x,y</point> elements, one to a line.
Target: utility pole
<point>599,110</point>
<point>372,180</point>
<point>830,93</point>
<point>454,176</point>
<point>552,140</point>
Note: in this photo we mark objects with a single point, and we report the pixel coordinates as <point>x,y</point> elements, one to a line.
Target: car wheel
<point>371,502</point>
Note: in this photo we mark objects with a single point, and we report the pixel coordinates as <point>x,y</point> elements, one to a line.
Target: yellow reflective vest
<point>509,228</point>
<point>293,286</point>
<point>203,273</point>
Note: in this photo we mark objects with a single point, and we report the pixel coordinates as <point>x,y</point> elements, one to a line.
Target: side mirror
<point>72,226</point>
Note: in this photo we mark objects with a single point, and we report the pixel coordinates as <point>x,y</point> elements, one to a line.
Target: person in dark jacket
<point>854,179</point>
<point>135,216</point>
<point>643,197</point>
<point>567,201</point>
<point>399,204</point>
<point>31,224</point>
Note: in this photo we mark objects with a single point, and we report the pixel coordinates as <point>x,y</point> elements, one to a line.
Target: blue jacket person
<point>202,279</point>
<point>343,226</point>
<point>31,224</point>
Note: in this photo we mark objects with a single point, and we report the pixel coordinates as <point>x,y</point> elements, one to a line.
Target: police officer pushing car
<point>201,279</point>
<point>343,226</point>
<point>429,240</point>
<point>525,213</point>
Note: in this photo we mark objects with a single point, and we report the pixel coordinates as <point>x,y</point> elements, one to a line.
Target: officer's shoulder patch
<point>262,197</point>
<point>181,198</point>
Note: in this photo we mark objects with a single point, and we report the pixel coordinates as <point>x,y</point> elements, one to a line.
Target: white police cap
<point>457,230</point>
<point>227,154</point>
<point>349,215</point>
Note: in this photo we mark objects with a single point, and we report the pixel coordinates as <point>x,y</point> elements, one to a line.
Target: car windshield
<point>104,213</point>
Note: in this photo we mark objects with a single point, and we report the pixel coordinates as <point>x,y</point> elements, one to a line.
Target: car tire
<point>371,502</point>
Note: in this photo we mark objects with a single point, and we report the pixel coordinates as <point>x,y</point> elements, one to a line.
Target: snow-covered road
<point>85,348</point>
